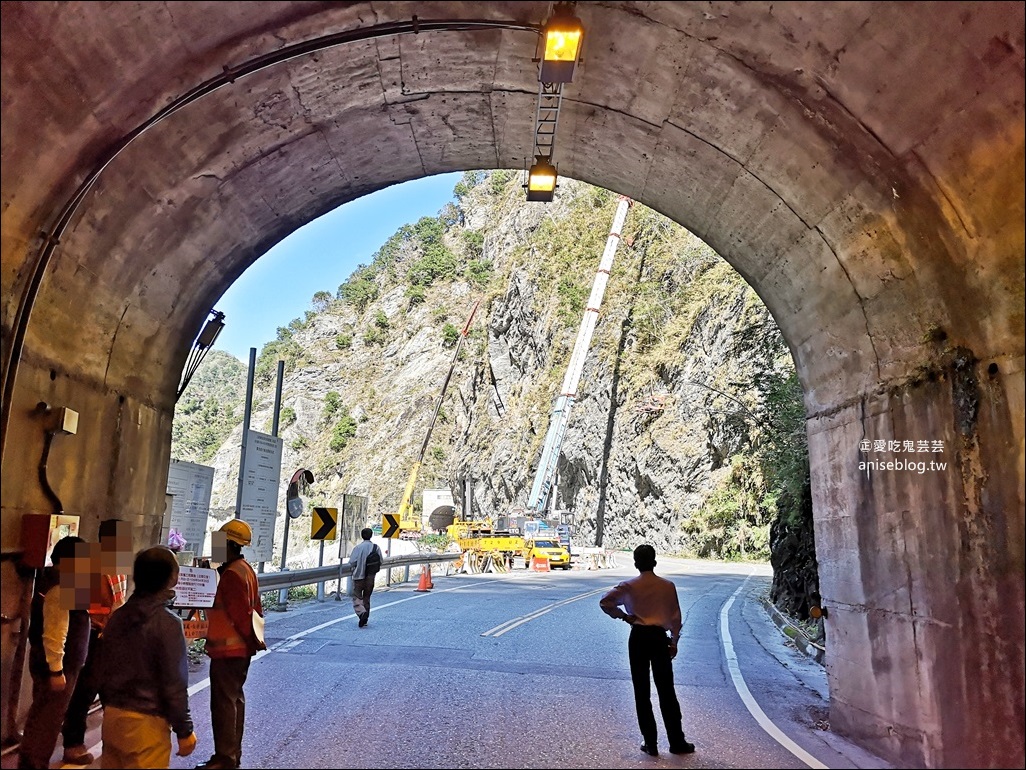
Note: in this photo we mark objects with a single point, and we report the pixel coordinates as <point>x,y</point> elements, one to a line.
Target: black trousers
<point>648,649</point>
<point>362,590</point>
<point>85,693</point>
<point>228,706</point>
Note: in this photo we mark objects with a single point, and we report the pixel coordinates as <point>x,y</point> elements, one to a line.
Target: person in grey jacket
<point>144,669</point>
<point>364,573</point>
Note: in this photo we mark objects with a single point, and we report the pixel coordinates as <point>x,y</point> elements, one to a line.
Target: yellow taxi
<point>557,555</point>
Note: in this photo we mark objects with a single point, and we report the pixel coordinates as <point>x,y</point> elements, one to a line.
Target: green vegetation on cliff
<point>690,418</point>
<point>209,408</point>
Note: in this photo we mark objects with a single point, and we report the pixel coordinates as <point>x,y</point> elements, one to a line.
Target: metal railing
<point>285,579</point>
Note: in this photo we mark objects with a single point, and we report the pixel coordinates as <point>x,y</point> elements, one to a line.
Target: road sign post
<point>324,524</point>
<point>390,525</point>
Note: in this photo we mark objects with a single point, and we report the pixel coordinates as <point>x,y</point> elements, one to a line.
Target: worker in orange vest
<point>232,641</point>
<point>108,588</point>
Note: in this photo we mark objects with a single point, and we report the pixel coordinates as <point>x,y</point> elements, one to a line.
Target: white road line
<point>292,641</point>
<point>509,625</point>
<point>746,695</point>
<point>286,644</point>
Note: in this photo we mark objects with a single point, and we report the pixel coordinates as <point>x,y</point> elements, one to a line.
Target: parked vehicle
<point>557,555</point>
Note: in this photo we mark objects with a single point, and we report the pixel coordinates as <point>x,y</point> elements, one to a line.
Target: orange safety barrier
<point>540,564</point>
<point>195,626</point>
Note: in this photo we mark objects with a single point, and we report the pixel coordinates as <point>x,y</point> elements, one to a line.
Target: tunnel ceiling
<point>859,163</point>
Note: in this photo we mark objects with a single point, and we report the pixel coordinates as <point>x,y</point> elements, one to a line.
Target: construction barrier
<point>471,564</point>
<point>195,625</point>
<point>477,562</point>
<point>498,563</point>
<point>596,558</point>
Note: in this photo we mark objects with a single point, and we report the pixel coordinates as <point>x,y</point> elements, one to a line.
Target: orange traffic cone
<point>425,580</point>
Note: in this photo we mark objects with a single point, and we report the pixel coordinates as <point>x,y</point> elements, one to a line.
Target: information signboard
<point>196,587</point>
<point>190,485</point>
<point>354,518</point>
<point>260,482</point>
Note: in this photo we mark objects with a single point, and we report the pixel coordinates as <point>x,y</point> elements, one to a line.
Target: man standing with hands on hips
<point>651,608</point>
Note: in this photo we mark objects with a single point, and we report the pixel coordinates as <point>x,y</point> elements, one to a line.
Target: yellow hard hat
<point>238,531</point>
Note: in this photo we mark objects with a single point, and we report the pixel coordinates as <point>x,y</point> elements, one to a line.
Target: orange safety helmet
<point>238,531</point>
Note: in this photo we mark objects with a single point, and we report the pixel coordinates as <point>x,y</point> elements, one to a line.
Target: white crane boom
<point>560,417</point>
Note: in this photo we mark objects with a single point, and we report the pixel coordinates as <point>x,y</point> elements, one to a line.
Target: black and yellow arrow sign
<point>390,525</point>
<point>323,523</point>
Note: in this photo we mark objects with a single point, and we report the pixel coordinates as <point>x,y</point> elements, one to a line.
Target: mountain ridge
<point>671,438</point>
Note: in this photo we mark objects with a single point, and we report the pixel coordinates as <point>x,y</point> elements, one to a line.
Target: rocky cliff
<point>676,425</point>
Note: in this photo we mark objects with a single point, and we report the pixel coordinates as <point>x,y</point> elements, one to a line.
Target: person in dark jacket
<point>144,671</point>
<point>59,639</point>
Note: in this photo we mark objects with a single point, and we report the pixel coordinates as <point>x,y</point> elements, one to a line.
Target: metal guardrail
<point>285,579</point>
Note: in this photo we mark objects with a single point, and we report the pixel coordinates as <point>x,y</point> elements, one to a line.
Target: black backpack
<point>373,562</point>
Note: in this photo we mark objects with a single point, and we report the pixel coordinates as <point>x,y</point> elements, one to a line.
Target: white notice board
<point>190,484</point>
<point>196,587</point>
<point>260,482</point>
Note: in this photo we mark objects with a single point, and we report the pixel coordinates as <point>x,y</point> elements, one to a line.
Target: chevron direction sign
<point>390,525</point>
<point>323,523</point>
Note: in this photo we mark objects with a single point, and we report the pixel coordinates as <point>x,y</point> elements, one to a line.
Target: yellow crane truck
<point>479,536</point>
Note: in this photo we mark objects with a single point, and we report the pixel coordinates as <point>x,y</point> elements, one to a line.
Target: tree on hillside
<point>321,300</point>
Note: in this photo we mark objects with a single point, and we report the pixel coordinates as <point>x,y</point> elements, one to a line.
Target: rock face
<point>795,587</point>
<point>666,433</point>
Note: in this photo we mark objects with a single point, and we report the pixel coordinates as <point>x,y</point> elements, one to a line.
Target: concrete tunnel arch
<point>860,164</point>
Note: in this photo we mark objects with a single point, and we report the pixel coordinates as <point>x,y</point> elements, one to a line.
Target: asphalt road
<point>523,670</point>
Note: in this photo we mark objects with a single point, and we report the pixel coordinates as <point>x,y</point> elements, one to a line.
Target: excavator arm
<point>405,512</point>
<point>407,521</point>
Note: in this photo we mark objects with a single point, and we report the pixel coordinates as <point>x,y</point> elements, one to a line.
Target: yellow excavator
<point>410,525</point>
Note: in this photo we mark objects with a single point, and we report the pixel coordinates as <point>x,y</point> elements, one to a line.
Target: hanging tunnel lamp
<point>541,181</point>
<point>562,38</point>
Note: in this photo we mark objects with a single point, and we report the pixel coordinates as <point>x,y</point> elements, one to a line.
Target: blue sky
<point>318,257</point>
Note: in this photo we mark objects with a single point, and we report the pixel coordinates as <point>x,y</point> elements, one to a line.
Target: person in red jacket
<point>231,642</point>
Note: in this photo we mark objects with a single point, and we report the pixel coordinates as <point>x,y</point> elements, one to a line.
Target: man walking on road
<point>231,643</point>
<point>651,608</point>
<point>366,561</point>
